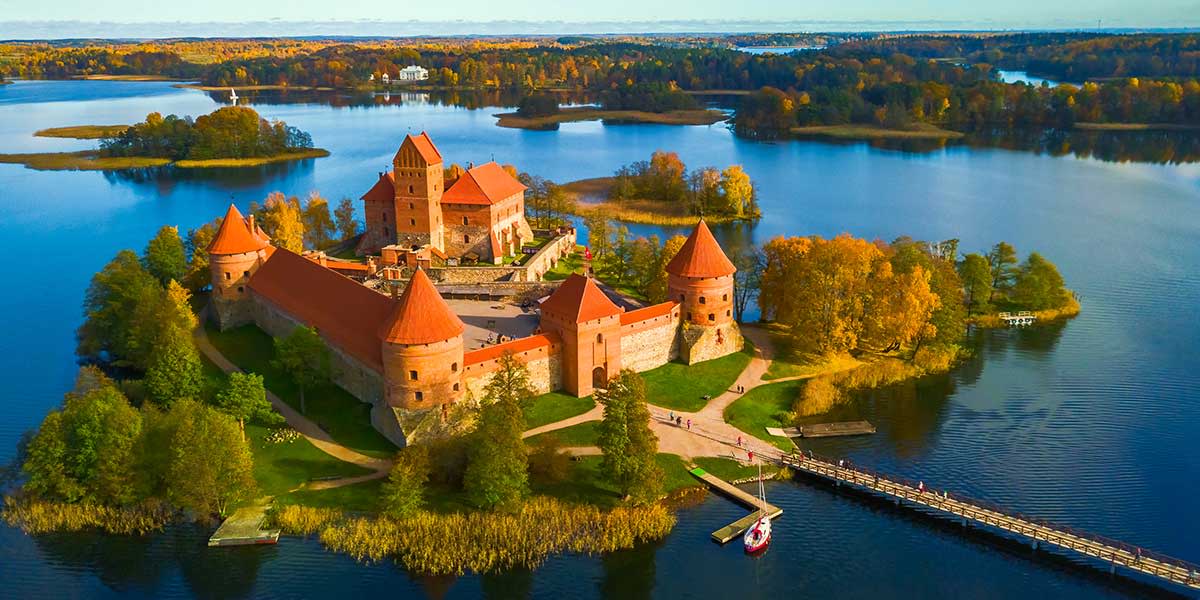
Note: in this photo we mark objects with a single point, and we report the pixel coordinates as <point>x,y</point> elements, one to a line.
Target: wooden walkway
<point>968,511</point>
<point>244,528</point>
<point>739,526</point>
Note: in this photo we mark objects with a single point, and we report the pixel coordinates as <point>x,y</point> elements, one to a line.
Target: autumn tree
<point>118,295</point>
<point>283,220</point>
<point>318,224</point>
<point>164,256</point>
<point>977,280</point>
<point>629,448</point>
<point>404,492</point>
<point>498,467</point>
<point>306,359</point>
<point>245,399</point>
<point>344,221</point>
<point>738,193</point>
<point>656,288</point>
<point>599,234</point>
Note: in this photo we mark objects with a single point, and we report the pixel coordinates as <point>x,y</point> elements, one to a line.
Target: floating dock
<point>738,527</point>
<point>244,528</point>
<point>821,430</point>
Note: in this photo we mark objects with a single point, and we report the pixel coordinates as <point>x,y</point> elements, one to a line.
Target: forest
<point>229,132</point>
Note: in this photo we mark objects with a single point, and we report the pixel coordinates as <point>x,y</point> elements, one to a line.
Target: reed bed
<point>39,516</point>
<point>480,542</point>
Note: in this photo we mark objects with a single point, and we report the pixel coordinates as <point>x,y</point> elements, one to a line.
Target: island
<point>233,136</point>
<point>588,113</point>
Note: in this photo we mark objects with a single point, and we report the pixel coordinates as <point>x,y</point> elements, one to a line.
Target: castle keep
<point>405,356</point>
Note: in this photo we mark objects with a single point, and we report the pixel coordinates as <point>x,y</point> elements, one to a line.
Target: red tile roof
<point>421,316</point>
<point>701,256</point>
<point>524,344</point>
<point>424,147</point>
<point>235,236</point>
<point>347,314</point>
<point>486,184</point>
<point>384,190</point>
<point>579,299</point>
<point>646,313</point>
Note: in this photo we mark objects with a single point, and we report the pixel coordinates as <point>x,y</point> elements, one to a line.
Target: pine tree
<point>977,281</point>
<point>1003,262</point>
<point>630,449</point>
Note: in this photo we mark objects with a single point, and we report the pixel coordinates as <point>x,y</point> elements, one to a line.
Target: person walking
<point>739,441</point>
<point>689,424</point>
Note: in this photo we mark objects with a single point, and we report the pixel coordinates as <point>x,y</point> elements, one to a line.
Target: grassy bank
<point>344,417</point>
<point>583,434</point>
<point>104,77</point>
<point>82,132</point>
<point>90,160</point>
<point>588,113</point>
<point>762,407</point>
<point>681,387</point>
<point>922,131</point>
<point>555,406</point>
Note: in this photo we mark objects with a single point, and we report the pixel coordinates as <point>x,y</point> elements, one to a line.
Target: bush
<point>547,461</point>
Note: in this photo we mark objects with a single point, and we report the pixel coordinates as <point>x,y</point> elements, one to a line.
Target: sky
<point>159,18</point>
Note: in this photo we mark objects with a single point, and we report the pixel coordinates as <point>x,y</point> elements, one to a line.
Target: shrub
<point>547,461</point>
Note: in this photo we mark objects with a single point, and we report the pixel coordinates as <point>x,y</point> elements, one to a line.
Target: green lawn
<point>585,485</point>
<point>681,387</point>
<point>285,466</point>
<point>763,407</point>
<point>728,469</point>
<point>555,406</point>
<point>344,417</point>
<point>564,267</point>
<point>583,434</point>
<point>359,497</point>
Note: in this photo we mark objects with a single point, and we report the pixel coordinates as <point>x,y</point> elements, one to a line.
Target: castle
<point>481,216</point>
<point>405,356</point>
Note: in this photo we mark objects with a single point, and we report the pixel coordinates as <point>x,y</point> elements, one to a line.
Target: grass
<point>727,469</point>
<point>555,406</point>
<point>565,267</point>
<point>359,497</point>
<point>82,132</point>
<point>762,407</point>
<point>583,434</point>
<point>84,160</point>
<point>344,417</point>
<point>921,131</point>
<point>285,466</point>
<point>586,485</point>
<point>90,160</point>
<point>681,387</point>
<point>588,113</point>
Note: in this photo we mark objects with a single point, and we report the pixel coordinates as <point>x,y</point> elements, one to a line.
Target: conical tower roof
<point>701,256</point>
<point>579,298</point>
<point>421,316</point>
<point>235,237</point>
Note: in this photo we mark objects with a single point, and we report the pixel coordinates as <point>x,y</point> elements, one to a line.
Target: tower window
<point>711,317</point>
<point>241,289</point>
<point>599,338</point>
<point>385,231</point>
<point>453,367</point>
<point>456,387</point>
<point>729,313</point>
<point>412,221</point>
<point>702,300</point>
<point>419,396</point>
<point>228,275</point>
<point>412,375</point>
<point>410,189</point>
<point>724,297</point>
<point>246,273</point>
<point>411,206</point>
<point>681,297</point>
<point>689,316</point>
<point>466,221</point>
<point>466,239</point>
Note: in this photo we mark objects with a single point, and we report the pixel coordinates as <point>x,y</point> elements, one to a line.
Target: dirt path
<point>313,433</point>
<point>595,414</point>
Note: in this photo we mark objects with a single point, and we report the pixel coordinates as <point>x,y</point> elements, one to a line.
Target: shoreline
<point>91,160</point>
<point>872,132</point>
<point>576,114</point>
<point>645,212</point>
<point>992,320</point>
<point>81,132</point>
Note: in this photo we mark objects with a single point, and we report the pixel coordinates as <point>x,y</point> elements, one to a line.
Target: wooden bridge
<point>968,511</point>
<point>1021,318</point>
<point>738,527</point>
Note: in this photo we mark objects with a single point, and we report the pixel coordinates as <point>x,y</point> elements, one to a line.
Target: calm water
<point>1092,423</point>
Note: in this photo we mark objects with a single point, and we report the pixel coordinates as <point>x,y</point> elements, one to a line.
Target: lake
<point>1092,422</point>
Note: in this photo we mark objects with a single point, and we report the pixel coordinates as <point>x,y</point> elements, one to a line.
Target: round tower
<point>422,349</point>
<point>700,279</point>
<point>234,255</point>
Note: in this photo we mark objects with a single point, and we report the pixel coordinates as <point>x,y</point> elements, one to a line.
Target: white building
<point>413,73</point>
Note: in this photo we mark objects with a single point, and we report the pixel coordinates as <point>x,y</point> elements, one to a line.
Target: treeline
<point>652,97</point>
<point>704,191</point>
<point>229,132</point>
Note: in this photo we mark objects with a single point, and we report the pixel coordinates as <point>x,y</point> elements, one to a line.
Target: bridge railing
<point>1189,573</point>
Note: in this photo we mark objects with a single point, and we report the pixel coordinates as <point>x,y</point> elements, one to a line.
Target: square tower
<point>417,180</point>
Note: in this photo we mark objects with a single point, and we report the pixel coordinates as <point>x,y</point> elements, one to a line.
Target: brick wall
<point>700,343</point>
<point>650,343</point>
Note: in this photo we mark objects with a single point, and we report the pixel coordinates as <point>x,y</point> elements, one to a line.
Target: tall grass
<point>1070,309</point>
<point>39,516</point>
<point>480,542</point>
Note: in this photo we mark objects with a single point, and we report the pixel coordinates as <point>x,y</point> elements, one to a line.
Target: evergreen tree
<point>977,281</point>
<point>498,467</point>
<point>304,356</point>
<point>630,449</point>
<point>245,399</point>
<point>404,492</point>
<point>164,256</point>
<point>1003,262</point>
<point>175,369</point>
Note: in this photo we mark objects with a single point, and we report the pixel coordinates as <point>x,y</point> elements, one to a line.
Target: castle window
<point>702,300</point>
<point>689,316</point>
<point>724,297</point>
<point>466,239</point>
<point>712,317</point>
<point>599,338</point>
<point>453,367</point>
<point>729,313</point>
<point>456,387</point>
<point>419,396</point>
<point>411,206</point>
<point>228,275</point>
<point>412,221</point>
<point>385,215</point>
<point>410,189</point>
<point>412,375</point>
<point>466,221</point>
<point>241,289</point>
<point>246,273</point>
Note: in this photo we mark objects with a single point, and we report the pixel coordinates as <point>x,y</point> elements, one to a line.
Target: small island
<point>233,136</point>
<point>639,103</point>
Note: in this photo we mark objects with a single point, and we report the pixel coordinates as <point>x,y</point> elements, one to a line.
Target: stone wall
<point>650,343</point>
<point>699,343</point>
<point>544,364</point>
<point>351,374</point>
<point>533,269</point>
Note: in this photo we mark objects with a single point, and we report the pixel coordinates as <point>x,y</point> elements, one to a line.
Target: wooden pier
<point>244,528</point>
<point>821,430</point>
<point>733,530</point>
<point>1021,318</point>
<point>967,511</point>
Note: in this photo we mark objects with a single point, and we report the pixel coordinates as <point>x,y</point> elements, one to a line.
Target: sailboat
<point>233,97</point>
<point>758,536</point>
